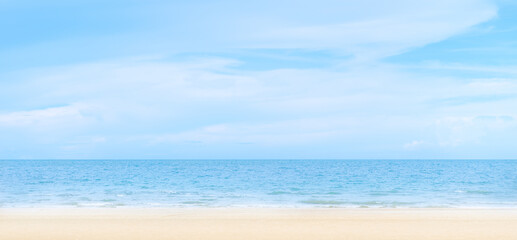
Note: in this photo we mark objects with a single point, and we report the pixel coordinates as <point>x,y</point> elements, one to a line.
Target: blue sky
<point>264,79</point>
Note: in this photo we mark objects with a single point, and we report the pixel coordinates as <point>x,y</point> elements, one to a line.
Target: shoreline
<point>257,223</point>
<point>257,207</point>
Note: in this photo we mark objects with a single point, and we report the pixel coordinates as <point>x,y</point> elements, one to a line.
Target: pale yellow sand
<point>285,224</point>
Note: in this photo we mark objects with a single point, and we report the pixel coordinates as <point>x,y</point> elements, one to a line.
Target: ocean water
<point>258,183</point>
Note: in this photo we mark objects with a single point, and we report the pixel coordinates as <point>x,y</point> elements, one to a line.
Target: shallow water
<point>258,183</point>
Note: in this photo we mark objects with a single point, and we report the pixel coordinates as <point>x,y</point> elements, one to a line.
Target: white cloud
<point>48,117</point>
<point>363,103</point>
<point>290,132</point>
<point>510,70</point>
<point>457,131</point>
<point>366,29</point>
<point>413,144</point>
<point>211,101</point>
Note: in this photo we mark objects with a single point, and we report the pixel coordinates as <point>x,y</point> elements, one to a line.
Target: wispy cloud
<point>159,104</point>
<point>43,118</point>
<point>456,131</point>
<point>193,92</point>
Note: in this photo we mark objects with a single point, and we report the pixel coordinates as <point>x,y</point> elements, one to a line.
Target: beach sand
<point>249,224</point>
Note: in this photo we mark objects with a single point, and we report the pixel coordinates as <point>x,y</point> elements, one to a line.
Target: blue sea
<point>258,183</point>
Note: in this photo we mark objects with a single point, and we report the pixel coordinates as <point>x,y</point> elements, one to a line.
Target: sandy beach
<point>400,224</point>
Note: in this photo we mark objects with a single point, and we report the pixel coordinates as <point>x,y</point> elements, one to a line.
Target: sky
<point>283,79</point>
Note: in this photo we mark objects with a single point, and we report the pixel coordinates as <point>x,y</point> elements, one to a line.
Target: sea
<point>258,183</point>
